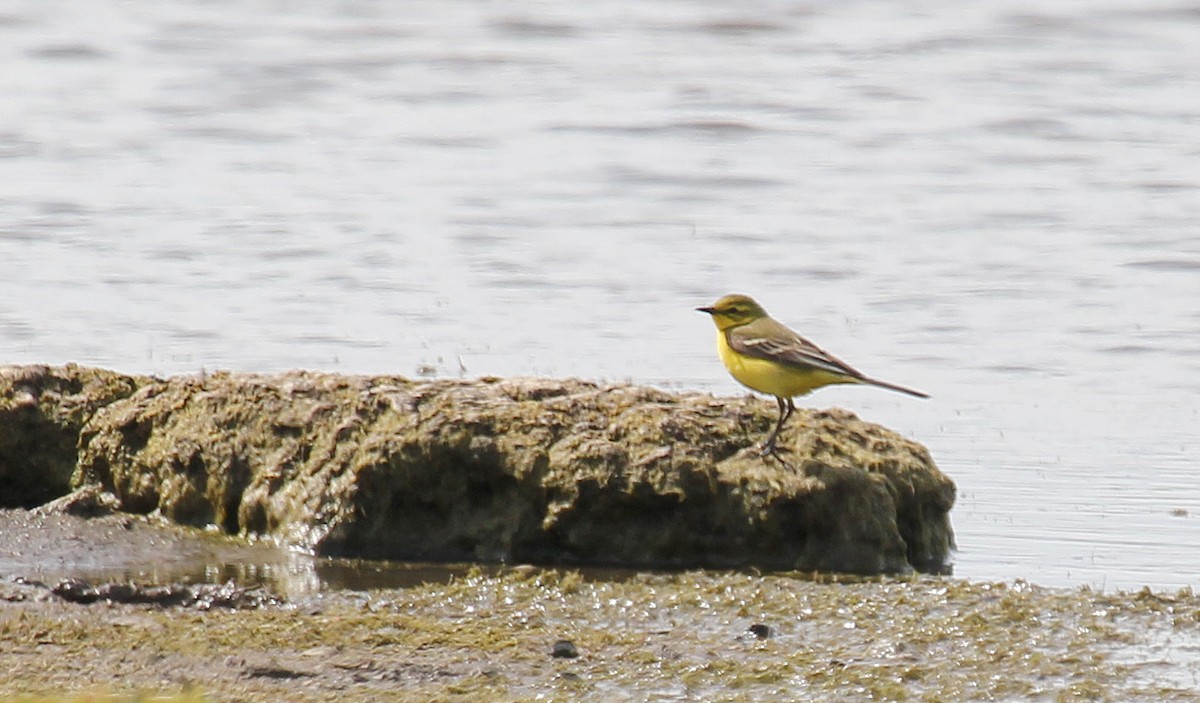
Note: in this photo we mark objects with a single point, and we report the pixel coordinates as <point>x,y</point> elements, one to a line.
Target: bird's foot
<point>772,451</point>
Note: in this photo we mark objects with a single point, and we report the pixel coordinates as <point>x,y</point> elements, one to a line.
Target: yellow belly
<point>774,378</point>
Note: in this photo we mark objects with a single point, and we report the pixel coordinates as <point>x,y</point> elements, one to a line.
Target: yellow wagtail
<point>765,356</point>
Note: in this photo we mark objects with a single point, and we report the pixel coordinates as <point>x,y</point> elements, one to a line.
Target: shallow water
<point>993,202</point>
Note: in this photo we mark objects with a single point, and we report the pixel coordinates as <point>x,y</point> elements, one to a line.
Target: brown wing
<point>768,339</point>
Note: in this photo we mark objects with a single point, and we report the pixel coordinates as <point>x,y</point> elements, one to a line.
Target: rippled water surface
<point>998,203</point>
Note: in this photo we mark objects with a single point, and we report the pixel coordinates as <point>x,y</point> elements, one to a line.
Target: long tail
<point>892,387</point>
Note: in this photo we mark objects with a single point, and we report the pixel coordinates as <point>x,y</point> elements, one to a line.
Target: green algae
<point>682,636</point>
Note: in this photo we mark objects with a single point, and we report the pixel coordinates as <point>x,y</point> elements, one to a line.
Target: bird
<point>766,356</point>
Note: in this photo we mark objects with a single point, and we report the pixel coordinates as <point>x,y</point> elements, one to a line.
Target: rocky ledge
<point>523,470</point>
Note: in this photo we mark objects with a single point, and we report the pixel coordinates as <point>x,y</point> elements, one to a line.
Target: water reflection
<point>287,573</point>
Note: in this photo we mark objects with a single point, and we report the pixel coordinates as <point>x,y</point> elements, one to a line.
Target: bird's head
<point>734,311</point>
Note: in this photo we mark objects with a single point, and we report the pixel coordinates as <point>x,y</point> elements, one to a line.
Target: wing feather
<point>767,339</point>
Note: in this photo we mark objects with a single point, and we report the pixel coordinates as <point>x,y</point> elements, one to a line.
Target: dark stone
<point>761,631</point>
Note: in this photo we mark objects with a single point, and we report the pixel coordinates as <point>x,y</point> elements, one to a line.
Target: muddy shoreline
<point>493,635</point>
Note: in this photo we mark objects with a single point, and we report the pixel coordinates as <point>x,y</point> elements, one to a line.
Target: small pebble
<point>564,649</point>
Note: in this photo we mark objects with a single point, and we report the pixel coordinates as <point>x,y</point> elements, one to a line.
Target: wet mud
<point>550,635</point>
<point>48,547</point>
<point>527,633</point>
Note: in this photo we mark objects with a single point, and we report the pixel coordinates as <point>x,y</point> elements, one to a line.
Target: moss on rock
<point>42,409</point>
<point>521,470</point>
<point>562,471</point>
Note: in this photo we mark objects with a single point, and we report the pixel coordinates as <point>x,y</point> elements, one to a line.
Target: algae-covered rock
<point>42,409</point>
<point>520,470</point>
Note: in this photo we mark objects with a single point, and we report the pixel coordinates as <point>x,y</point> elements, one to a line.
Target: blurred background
<point>995,202</point>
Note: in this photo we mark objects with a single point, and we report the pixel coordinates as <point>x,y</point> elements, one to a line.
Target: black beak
<point>706,309</point>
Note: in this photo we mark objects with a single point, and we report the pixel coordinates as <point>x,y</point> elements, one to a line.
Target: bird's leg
<point>786,406</point>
